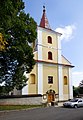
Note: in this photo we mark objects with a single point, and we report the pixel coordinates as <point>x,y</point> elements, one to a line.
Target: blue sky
<point>65,16</point>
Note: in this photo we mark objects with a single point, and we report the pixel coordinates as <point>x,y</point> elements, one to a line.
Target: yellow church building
<point>51,75</point>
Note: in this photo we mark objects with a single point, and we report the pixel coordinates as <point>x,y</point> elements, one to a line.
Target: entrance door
<point>50,97</point>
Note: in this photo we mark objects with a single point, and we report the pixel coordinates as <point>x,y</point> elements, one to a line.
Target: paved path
<point>49,113</point>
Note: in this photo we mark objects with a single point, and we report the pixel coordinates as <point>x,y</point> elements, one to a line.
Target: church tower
<point>51,75</point>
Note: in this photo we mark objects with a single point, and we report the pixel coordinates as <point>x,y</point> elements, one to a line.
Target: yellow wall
<point>32,88</point>
<point>66,87</point>
<point>35,55</point>
<point>45,39</point>
<point>50,70</point>
<point>49,47</point>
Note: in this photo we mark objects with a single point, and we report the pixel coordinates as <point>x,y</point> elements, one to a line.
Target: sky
<point>66,17</point>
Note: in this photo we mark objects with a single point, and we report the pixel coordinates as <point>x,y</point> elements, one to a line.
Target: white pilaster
<point>39,44</point>
<point>70,84</point>
<point>40,65</point>
<point>25,90</point>
<point>40,78</point>
<point>59,50</point>
<point>60,78</point>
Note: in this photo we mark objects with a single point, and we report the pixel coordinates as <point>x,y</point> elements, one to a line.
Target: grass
<point>17,107</point>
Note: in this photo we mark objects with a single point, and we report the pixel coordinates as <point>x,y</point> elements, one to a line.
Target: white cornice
<point>48,46</point>
<point>49,30</point>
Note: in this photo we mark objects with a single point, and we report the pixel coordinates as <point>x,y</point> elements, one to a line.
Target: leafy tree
<point>18,31</point>
<point>81,84</point>
<point>3,42</point>
<point>75,91</point>
<point>81,87</point>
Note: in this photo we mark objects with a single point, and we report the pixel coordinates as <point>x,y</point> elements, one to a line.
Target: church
<point>52,74</point>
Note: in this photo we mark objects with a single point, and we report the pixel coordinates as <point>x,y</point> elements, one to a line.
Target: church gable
<point>65,61</point>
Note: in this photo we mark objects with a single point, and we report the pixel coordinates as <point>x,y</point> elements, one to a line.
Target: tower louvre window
<point>49,39</point>
<point>50,55</point>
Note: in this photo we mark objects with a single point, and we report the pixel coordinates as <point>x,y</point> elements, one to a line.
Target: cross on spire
<point>43,8</point>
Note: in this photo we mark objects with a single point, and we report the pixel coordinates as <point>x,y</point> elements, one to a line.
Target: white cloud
<point>77,73</point>
<point>67,32</point>
<point>77,77</point>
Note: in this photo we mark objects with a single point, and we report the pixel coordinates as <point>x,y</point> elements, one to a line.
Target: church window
<point>50,79</point>
<point>65,80</point>
<point>49,39</point>
<point>32,81</point>
<point>50,55</point>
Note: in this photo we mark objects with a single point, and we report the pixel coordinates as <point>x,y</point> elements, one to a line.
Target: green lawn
<point>17,107</point>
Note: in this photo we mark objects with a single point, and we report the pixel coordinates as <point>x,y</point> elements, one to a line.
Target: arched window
<point>32,81</point>
<point>65,80</point>
<point>49,39</point>
<point>50,55</point>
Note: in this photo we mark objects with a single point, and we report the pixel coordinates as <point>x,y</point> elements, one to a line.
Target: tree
<point>81,87</point>
<point>18,30</point>
<point>81,84</point>
<point>3,43</point>
<point>75,91</point>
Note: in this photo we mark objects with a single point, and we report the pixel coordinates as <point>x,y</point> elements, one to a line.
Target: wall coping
<point>19,96</point>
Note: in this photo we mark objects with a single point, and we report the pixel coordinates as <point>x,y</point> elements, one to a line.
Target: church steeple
<point>44,21</point>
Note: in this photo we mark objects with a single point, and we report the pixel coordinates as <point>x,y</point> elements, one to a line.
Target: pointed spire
<point>44,21</point>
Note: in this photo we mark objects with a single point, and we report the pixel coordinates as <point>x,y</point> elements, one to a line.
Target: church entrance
<point>50,95</point>
<point>50,98</point>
